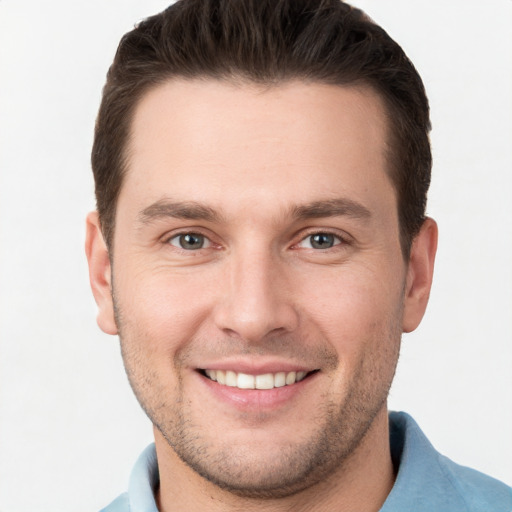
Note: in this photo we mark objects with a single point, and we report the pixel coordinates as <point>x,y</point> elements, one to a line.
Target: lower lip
<point>257,399</point>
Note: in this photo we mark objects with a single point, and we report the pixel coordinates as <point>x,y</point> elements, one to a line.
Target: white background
<point>70,429</point>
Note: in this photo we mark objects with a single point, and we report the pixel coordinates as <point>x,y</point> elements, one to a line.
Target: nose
<point>257,299</point>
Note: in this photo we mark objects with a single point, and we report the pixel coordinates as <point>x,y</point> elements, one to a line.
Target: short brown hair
<point>267,42</point>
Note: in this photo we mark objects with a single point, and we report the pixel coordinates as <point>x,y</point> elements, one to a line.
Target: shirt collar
<point>423,481</point>
<point>144,482</point>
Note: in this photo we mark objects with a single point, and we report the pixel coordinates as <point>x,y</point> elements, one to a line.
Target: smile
<point>263,381</point>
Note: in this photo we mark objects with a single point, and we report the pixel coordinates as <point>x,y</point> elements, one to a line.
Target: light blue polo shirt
<point>426,481</point>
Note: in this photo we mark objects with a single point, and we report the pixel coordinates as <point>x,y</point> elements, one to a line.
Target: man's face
<point>257,245</point>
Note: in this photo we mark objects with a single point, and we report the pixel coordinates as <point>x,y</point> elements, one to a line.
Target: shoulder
<point>427,480</point>
<point>479,491</point>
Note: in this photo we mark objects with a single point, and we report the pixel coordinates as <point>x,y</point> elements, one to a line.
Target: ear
<point>100,273</point>
<point>419,275</point>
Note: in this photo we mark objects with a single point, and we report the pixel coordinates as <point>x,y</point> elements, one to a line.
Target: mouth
<point>263,381</point>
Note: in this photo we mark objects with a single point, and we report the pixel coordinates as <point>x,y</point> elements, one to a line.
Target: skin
<point>255,173</point>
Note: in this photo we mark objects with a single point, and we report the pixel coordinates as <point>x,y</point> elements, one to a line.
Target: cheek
<point>162,306</point>
<point>352,305</point>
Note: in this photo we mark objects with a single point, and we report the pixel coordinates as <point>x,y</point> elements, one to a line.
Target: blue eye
<point>190,241</point>
<point>320,241</point>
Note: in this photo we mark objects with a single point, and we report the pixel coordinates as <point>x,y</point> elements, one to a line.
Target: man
<point>260,244</point>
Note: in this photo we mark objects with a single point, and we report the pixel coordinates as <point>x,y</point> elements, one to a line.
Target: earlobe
<point>419,275</point>
<point>100,274</point>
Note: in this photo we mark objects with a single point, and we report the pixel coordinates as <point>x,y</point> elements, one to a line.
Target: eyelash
<point>206,238</point>
<point>341,241</point>
<point>338,240</point>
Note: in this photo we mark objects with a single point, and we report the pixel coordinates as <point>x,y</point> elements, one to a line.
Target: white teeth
<point>231,379</point>
<point>245,381</point>
<point>290,378</point>
<point>264,381</point>
<point>300,376</point>
<point>280,380</point>
<point>212,374</point>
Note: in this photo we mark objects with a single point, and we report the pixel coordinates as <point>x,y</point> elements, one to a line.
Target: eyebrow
<point>331,208</point>
<point>186,210</point>
<point>191,210</point>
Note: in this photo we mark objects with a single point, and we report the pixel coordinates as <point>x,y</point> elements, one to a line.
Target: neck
<point>361,483</point>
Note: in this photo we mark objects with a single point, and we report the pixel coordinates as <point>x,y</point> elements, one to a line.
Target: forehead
<point>197,138</point>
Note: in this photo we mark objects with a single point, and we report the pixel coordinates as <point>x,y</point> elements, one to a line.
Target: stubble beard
<point>340,427</point>
<point>293,468</point>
